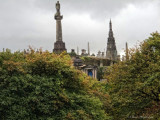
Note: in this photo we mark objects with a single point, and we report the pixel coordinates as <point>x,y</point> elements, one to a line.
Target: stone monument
<point>59,45</point>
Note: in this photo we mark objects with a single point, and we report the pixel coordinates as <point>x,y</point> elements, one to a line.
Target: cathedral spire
<point>111,52</point>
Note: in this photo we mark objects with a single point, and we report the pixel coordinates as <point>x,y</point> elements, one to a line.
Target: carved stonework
<point>59,45</point>
<point>111,52</point>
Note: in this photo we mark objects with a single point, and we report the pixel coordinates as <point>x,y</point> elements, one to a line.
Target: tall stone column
<point>59,45</point>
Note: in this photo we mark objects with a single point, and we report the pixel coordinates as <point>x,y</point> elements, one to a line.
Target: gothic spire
<point>111,52</point>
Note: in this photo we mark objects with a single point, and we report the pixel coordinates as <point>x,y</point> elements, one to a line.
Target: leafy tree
<point>46,86</point>
<point>134,85</point>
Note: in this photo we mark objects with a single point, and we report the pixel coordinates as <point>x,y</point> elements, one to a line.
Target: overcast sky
<point>31,22</point>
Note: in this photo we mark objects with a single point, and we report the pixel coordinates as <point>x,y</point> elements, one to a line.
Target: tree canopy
<point>134,84</point>
<point>46,86</point>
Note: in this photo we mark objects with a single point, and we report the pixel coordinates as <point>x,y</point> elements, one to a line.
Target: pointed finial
<point>110,24</point>
<point>126,45</point>
<point>88,49</point>
<point>127,52</point>
<point>77,50</point>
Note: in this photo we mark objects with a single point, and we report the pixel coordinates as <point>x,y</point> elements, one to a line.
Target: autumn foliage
<point>46,86</point>
<point>134,84</point>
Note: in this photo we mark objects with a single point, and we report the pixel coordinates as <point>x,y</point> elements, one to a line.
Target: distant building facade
<point>90,70</point>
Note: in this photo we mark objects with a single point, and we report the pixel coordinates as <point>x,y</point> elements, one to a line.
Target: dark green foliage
<point>134,85</point>
<point>45,86</point>
<point>95,61</point>
<point>72,54</point>
<point>100,73</point>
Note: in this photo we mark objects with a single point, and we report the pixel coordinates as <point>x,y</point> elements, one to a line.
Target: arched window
<point>90,73</point>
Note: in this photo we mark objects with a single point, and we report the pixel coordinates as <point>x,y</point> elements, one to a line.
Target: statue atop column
<point>58,15</point>
<point>58,6</point>
<point>59,45</point>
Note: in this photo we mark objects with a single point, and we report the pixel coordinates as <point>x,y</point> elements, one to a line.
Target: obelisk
<point>59,45</point>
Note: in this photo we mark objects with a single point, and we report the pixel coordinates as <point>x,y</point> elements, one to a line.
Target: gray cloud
<point>31,22</point>
<point>98,9</point>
